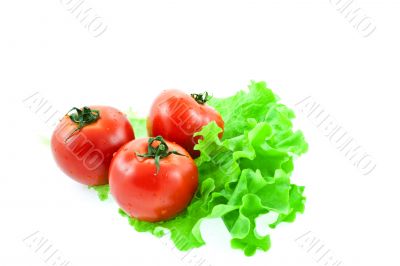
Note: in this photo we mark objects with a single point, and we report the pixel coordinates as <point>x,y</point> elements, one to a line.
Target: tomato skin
<point>87,155</point>
<point>176,116</point>
<point>148,196</point>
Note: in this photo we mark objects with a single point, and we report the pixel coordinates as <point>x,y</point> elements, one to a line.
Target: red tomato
<point>177,116</point>
<point>85,154</point>
<point>148,192</point>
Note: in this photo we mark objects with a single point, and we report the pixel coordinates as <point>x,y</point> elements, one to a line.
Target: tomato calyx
<point>82,117</point>
<point>159,151</point>
<point>201,98</point>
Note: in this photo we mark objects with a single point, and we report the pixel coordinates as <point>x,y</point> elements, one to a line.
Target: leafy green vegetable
<point>242,176</point>
<point>139,124</point>
<point>102,191</point>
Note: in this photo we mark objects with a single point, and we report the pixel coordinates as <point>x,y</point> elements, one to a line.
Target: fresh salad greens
<point>242,176</point>
<point>103,191</point>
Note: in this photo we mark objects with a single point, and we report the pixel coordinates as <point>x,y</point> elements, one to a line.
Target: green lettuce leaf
<point>138,124</point>
<point>102,191</point>
<point>242,176</point>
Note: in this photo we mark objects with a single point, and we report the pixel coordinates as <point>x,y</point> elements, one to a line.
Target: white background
<point>301,48</point>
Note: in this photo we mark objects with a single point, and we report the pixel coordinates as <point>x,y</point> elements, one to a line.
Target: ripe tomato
<point>177,116</point>
<point>85,140</point>
<point>152,179</point>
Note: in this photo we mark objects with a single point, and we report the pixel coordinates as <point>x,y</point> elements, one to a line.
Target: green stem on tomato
<point>201,98</point>
<point>158,152</point>
<point>82,117</point>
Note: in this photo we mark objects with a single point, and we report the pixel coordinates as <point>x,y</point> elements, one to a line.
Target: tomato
<point>85,140</point>
<point>152,179</point>
<point>177,116</point>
